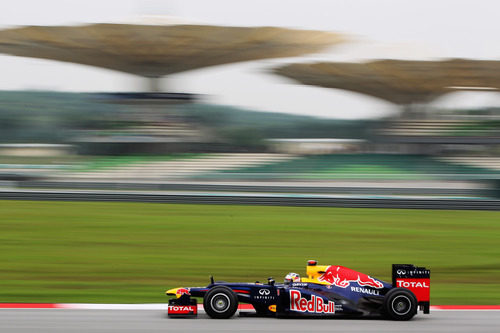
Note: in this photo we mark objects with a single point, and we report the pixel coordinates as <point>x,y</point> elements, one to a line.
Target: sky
<point>395,29</point>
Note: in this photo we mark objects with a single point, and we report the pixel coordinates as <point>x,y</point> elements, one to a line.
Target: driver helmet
<point>292,277</point>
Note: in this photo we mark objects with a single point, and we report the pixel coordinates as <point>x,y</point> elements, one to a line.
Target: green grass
<point>132,252</point>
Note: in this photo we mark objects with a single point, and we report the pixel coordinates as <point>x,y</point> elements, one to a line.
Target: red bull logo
<point>182,291</point>
<point>341,276</point>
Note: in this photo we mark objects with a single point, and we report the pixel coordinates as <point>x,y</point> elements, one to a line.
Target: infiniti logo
<point>401,271</point>
<point>264,291</point>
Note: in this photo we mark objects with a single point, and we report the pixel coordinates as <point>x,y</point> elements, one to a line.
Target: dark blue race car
<point>327,291</point>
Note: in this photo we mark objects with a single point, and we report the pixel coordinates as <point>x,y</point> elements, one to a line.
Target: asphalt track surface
<point>240,198</point>
<point>68,321</point>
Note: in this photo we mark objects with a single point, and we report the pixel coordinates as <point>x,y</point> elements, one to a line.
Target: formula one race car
<point>328,291</point>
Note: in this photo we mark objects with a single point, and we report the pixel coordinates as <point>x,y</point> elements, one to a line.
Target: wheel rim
<point>401,305</point>
<point>220,302</point>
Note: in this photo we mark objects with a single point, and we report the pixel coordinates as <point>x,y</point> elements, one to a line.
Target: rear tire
<point>220,302</point>
<point>400,304</point>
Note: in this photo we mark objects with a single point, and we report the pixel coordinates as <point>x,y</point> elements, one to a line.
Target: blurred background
<point>393,100</point>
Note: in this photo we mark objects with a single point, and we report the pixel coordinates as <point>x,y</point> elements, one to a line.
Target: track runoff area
<point>163,306</point>
<point>68,318</point>
<point>75,317</point>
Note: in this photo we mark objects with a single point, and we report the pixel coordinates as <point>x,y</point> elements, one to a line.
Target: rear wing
<point>415,279</point>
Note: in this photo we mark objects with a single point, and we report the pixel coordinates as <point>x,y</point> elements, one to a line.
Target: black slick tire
<point>400,304</point>
<point>220,302</point>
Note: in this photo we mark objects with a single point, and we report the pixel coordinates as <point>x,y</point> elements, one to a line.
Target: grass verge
<point>132,252</point>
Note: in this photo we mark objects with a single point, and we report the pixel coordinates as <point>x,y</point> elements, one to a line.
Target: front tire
<point>400,304</point>
<point>220,302</point>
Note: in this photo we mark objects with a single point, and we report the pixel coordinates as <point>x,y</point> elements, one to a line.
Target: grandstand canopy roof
<point>399,81</point>
<point>158,50</point>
